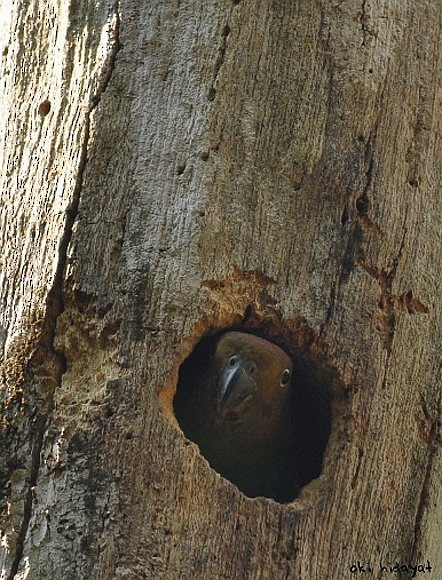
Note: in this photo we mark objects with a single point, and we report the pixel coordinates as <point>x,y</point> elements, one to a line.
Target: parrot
<point>235,404</point>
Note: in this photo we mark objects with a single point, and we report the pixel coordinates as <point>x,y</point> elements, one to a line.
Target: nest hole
<point>310,406</point>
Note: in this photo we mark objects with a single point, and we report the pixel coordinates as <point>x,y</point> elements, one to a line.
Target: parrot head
<point>252,377</point>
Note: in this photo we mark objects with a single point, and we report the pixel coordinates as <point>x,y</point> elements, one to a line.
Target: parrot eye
<point>232,361</point>
<point>285,378</point>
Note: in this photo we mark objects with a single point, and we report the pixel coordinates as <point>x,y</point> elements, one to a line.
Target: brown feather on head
<point>252,378</point>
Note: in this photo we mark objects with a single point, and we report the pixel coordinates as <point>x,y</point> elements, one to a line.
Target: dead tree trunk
<point>173,169</point>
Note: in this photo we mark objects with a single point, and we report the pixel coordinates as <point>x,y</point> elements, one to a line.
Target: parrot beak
<point>235,385</point>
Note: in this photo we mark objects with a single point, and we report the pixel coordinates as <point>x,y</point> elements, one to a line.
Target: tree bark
<point>173,169</point>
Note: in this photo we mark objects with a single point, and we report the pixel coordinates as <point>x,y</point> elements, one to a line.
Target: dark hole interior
<point>311,395</point>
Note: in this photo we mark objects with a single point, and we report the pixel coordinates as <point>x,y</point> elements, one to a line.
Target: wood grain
<point>235,164</point>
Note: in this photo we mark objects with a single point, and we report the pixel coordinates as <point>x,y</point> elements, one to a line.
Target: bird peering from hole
<point>235,404</point>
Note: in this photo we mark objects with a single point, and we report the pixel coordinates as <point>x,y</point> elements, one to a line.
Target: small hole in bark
<point>413,182</point>
<point>44,108</point>
<point>180,169</point>
<point>211,94</point>
<point>362,205</point>
<point>344,216</point>
<point>267,439</point>
<point>204,156</point>
<point>5,51</point>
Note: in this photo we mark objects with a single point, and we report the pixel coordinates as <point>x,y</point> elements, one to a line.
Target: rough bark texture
<point>171,169</point>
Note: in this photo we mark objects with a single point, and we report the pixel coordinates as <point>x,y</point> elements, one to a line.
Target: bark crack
<point>219,61</point>
<point>434,440</point>
<point>55,299</point>
<point>387,316</point>
<point>364,18</point>
<point>354,248</point>
<point>358,468</point>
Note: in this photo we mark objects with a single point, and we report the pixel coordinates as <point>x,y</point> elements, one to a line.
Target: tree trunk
<point>174,169</point>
